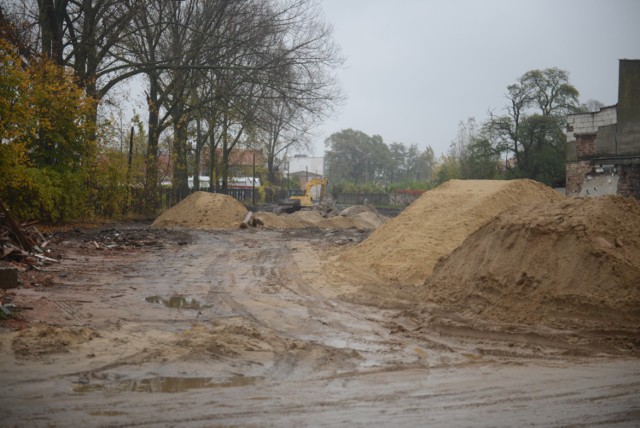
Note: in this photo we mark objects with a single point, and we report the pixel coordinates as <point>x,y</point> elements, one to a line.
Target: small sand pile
<point>358,217</point>
<point>569,263</point>
<point>309,217</point>
<point>365,216</point>
<point>405,248</point>
<point>204,210</point>
<point>354,210</point>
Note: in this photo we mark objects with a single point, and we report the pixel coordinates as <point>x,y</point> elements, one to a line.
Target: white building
<point>299,164</point>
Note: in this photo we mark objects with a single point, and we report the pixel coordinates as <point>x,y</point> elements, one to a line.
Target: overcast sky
<point>416,68</point>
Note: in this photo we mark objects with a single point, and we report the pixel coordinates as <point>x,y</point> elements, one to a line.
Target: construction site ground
<point>254,328</point>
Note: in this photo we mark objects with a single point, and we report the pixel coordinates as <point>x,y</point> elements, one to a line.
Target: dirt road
<point>247,328</point>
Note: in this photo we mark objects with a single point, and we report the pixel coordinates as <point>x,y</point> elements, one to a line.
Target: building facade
<point>304,168</point>
<point>603,148</point>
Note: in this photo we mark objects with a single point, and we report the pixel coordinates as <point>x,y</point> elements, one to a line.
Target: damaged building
<point>603,147</point>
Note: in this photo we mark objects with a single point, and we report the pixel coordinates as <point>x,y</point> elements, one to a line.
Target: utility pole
<point>253,181</point>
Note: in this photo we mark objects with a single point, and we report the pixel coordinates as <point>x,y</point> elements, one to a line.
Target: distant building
<point>241,165</point>
<point>305,168</point>
<point>603,148</point>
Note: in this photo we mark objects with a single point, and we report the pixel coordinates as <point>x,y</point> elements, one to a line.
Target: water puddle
<point>178,302</point>
<point>163,384</point>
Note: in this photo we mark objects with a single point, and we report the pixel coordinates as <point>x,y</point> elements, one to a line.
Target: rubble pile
<point>22,243</point>
<point>122,238</point>
<point>22,247</point>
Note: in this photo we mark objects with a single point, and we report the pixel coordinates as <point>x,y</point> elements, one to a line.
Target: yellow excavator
<point>314,191</point>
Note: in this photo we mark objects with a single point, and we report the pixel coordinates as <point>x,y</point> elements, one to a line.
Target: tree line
<point>357,160</point>
<point>525,140</point>
<point>218,75</point>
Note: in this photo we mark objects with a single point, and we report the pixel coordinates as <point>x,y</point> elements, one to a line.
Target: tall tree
<point>140,48</point>
<point>348,152</point>
<point>471,154</point>
<point>531,130</point>
<point>356,157</point>
<point>421,167</point>
<point>283,126</point>
<point>398,164</point>
<point>84,35</point>
<point>245,51</point>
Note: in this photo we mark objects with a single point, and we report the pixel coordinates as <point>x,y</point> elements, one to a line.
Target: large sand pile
<point>406,248</point>
<point>359,217</point>
<point>203,210</point>
<point>569,263</point>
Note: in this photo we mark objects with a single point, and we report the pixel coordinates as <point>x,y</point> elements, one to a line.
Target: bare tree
<point>141,49</point>
<point>284,128</point>
<point>238,66</point>
<point>82,34</point>
<point>297,87</point>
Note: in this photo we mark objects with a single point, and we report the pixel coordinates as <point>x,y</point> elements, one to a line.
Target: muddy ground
<point>139,327</point>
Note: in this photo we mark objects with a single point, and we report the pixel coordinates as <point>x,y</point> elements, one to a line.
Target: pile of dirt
<point>569,263</point>
<point>355,217</point>
<point>354,210</point>
<point>366,216</point>
<point>282,221</point>
<point>203,210</point>
<point>406,248</point>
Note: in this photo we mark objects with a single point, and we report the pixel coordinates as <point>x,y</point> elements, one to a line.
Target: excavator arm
<point>307,200</point>
<point>294,203</point>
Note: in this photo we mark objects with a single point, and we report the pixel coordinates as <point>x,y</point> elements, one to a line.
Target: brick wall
<point>629,184</point>
<point>576,172</point>
<point>586,145</point>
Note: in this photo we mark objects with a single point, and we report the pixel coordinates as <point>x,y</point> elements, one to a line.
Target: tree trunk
<point>180,171</point>
<point>151,194</point>
<point>271,172</point>
<point>271,158</point>
<point>224,165</point>
<point>196,168</point>
<point>51,14</point>
<point>213,183</point>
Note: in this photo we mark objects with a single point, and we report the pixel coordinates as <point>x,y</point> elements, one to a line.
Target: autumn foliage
<point>46,138</point>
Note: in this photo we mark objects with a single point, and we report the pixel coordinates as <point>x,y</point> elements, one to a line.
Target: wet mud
<point>253,328</point>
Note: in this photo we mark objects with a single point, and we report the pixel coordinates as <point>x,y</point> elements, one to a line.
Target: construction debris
<point>250,221</point>
<point>21,243</point>
<point>14,228</point>
<point>8,277</point>
<point>123,238</point>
